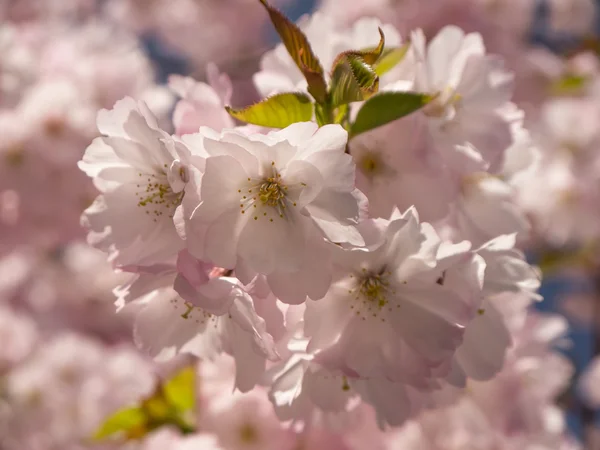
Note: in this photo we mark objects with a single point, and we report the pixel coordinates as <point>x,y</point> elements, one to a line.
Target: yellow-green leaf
<point>180,391</point>
<point>386,107</point>
<point>126,421</point>
<point>171,404</point>
<point>323,115</point>
<point>390,58</point>
<point>341,115</point>
<point>370,56</point>
<point>299,48</point>
<point>353,80</point>
<point>277,111</point>
<point>157,408</point>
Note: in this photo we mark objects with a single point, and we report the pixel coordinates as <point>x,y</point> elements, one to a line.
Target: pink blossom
<point>206,317</point>
<point>201,104</point>
<point>247,421</point>
<point>267,202</point>
<point>141,176</point>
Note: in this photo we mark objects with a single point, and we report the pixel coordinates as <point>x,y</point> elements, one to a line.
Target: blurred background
<point>61,61</point>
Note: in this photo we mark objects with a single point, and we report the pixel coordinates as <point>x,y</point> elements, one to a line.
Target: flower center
<point>267,197</point>
<point>190,312</point>
<point>441,106</point>
<point>372,165</point>
<point>248,434</point>
<point>372,293</point>
<point>15,155</point>
<point>155,194</point>
<point>272,192</point>
<point>372,161</point>
<point>374,288</point>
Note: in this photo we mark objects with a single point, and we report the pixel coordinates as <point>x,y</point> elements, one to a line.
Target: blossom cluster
<point>344,271</point>
<point>333,270</point>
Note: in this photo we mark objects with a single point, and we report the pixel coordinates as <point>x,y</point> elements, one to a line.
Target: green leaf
<point>353,77</point>
<point>171,404</point>
<point>125,420</point>
<point>277,111</point>
<point>370,56</point>
<point>299,48</point>
<point>390,58</point>
<point>180,391</point>
<point>322,115</point>
<point>317,87</point>
<point>353,80</point>
<point>341,115</point>
<point>386,107</point>
<point>156,408</point>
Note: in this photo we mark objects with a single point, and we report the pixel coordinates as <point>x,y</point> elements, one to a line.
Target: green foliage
<point>342,114</point>
<point>353,80</point>
<point>390,58</point>
<point>300,50</point>
<point>386,107</point>
<point>180,391</point>
<point>127,420</point>
<point>317,87</point>
<point>353,77</point>
<point>323,114</point>
<point>369,56</point>
<point>172,403</point>
<point>277,111</point>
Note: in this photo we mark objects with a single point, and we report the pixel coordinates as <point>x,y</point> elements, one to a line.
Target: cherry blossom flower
<point>513,410</point>
<point>142,178</point>
<point>201,104</point>
<point>53,79</point>
<point>487,208</point>
<point>267,201</point>
<point>568,166</point>
<point>210,313</point>
<point>487,338</point>
<point>470,87</point>
<point>372,322</point>
<point>246,421</point>
<point>301,388</point>
<point>395,169</point>
<point>322,317</point>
